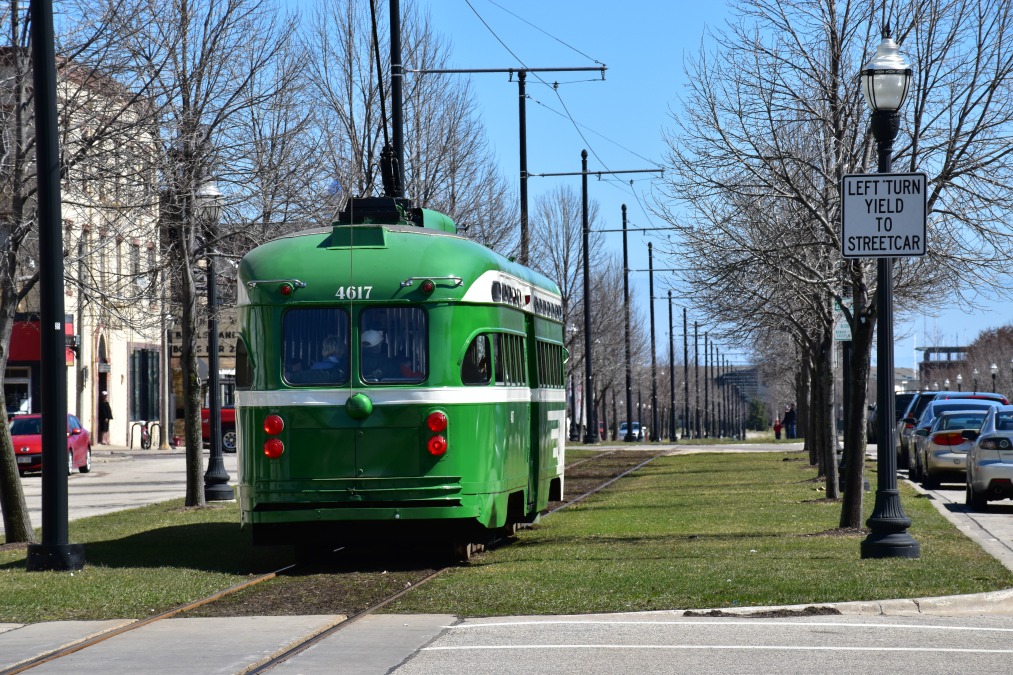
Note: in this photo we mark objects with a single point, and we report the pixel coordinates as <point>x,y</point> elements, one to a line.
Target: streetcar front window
<point>315,346</point>
<point>393,345</point>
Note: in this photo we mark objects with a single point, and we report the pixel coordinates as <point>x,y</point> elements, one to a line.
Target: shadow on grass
<point>208,547</point>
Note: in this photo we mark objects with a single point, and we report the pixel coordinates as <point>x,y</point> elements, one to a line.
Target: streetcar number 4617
<point>354,292</point>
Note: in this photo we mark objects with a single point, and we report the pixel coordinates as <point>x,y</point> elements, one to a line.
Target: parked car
<point>26,435</point>
<point>942,449</point>
<point>990,459</point>
<point>636,431</point>
<point>901,401</point>
<point>906,425</point>
<point>228,427</point>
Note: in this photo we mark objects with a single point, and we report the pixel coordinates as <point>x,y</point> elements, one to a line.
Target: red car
<point>228,428</point>
<point>26,433</point>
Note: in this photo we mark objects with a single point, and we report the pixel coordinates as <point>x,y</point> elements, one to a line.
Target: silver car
<point>942,449</point>
<point>990,460</point>
<point>928,417</point>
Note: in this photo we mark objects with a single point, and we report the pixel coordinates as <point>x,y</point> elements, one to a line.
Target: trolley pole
<point>522,74</point>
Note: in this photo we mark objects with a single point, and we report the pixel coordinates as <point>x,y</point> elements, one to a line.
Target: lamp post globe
<point>960,382</point>
<point>885,82</point>
<point>946,384</point>
<point>975,380</point>
<point>995,371</point>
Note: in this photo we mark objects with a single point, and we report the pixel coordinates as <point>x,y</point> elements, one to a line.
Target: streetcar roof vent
<point>392,211</point>
<point>379,211</point>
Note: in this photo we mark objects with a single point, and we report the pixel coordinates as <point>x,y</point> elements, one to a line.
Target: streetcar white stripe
<point>435,395</point>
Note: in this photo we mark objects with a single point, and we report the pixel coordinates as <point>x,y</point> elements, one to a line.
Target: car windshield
<point>964,404</point>
<point>956,421</point>
<point>31,426</point>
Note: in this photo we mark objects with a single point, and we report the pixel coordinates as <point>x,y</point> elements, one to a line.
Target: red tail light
<point>437,446</point>
<point>436,421</point>
<point>273,448</point>
<point>273,425</point>
<point>908,425</point>
<point>947,438</point>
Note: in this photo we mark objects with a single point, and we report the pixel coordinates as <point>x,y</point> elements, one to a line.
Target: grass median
<point>694,531</point>
<point>708,531</point>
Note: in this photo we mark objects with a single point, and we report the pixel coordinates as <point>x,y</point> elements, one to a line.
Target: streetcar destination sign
<point>883,215</point>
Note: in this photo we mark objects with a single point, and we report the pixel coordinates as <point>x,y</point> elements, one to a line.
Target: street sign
<point>883,215</point>
<point>842,330</point>
<point>228,330</point>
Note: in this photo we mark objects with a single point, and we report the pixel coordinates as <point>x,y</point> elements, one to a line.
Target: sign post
<point>883,215</point>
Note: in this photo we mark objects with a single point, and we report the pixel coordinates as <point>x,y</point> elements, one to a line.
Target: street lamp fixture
<point>216,478</point>
<point>995,371</point>
<point>946,384</point>
<point>935,386</point>
<point>960,382</point>
<point>886,80</point>
<point>975,380</point>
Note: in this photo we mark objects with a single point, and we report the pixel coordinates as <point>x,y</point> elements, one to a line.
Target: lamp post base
<point>219,492</point>
<point>889,537</point>
<point>55,557</point>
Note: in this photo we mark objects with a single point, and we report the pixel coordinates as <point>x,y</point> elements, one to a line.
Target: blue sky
<point>618,120</point>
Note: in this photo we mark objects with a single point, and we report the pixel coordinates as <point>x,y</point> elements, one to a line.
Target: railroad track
<point>344,570</point>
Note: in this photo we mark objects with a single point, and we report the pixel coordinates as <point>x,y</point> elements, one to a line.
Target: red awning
<point>26,341</point>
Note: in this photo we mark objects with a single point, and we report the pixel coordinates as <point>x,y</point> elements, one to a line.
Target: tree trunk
<point>854,448</point>
<point>822,417</point>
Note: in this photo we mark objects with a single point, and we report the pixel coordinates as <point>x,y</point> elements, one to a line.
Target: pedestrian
<point>790,422</point>
<point>777,428</point>
<point>105,413</point>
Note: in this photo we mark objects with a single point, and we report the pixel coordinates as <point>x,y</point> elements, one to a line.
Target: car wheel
<point>904,460</point>
<point>929,482</point>
<point>229,440</point>
<point>70,462</point>
<point>973,500</point>
<point>87,463</point>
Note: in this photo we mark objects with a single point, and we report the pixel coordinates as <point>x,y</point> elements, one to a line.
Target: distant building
<point>940,365</point>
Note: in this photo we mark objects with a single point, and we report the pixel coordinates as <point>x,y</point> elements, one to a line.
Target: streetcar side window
<point>475,367</point>
<point>550,365</point>
<point>509,360</point>
<point>393,345</point>
<point>315,346</point>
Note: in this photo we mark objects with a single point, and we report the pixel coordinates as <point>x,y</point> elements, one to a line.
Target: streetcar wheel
<point>87,463</point>
<point>463,550</point>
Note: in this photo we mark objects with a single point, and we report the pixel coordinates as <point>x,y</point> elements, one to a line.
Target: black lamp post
<point>946,384</point>
<point>995,371</point>
<point>975,380</point>
<point>960,382</point>
<point>216,478</point>
<point>885,83</point>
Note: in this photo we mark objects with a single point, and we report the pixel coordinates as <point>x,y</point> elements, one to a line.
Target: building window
<point>144,384</point>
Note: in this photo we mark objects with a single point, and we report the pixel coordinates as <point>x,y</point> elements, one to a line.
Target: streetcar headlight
<point>437,446</point>
<point>273,448</point>
<point>273,425</point>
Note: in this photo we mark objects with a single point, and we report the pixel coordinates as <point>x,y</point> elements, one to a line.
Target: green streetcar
<point>395,383</point>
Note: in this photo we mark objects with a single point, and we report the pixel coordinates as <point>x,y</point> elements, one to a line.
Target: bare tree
<point>206,66</point>
<point>774,118</point>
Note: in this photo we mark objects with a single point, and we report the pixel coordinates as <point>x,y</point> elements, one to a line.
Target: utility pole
<point>589,373</point>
